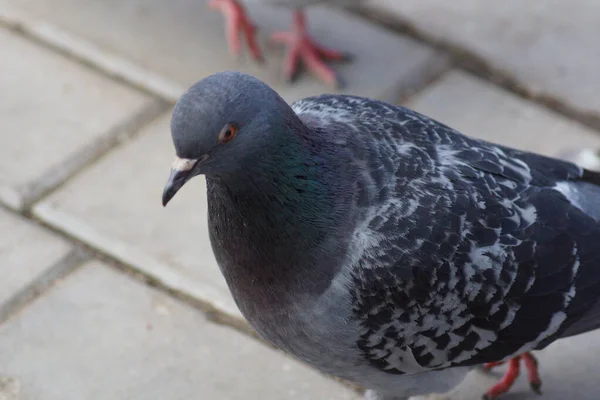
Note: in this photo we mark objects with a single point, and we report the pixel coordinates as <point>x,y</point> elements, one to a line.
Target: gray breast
<point>320,331</point>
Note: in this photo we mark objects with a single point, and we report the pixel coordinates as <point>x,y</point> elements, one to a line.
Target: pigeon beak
<point>176,180</point>
<point>180,173</point>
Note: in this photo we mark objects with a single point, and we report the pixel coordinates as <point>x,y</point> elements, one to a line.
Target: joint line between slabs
<point>41,283</point>
<point>74,47</point>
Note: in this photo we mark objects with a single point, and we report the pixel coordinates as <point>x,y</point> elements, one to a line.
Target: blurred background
<point>106,295</point>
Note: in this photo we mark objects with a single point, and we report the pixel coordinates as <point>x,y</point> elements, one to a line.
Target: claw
<point>511,374</point>
<point>531,365</point>
<point>300,47</point>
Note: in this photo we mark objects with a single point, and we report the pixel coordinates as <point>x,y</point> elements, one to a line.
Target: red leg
<point>533,375</point>
<point>511,374</point>
<point>301,47</point>
<point>236,24</point>
<point>488,366</point>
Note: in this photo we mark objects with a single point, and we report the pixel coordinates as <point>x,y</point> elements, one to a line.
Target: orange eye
<point>227,133</point>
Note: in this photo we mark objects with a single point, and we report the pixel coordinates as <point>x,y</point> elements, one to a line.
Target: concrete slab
<point>51,111</point>
<point>549,46</point>
<point>100,335</point>
<point>27,252</point>
<point>116,206</point>
<point>482,110</point>
<point>183,40</point>
<point>9,388</point>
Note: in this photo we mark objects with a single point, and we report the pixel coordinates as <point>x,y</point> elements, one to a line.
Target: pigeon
<point>382,246</point>
<point>300,46</point>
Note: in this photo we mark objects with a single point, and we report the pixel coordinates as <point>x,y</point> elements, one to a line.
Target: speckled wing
<point>465,252</point>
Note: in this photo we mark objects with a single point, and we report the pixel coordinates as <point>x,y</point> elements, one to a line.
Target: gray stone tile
<point>51,108</point>
<point>9,388</point>
<point>100,335</point>
<point>26,252</point>
<point>116,205</point>
<point>549,46</point>
<point>184,41</point>
<point>482,110</point>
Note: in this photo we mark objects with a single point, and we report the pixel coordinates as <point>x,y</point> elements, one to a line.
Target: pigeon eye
<point>227,133</point>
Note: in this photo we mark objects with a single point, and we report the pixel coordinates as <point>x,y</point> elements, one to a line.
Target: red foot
<point>236,23</point>
<point>300,47</point>
<point>533,375</point>
<point>511,374</point>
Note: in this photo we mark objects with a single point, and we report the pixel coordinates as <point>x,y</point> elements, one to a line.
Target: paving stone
<point>184,41</point>
<point>482,110</point>
<point>9,388</point>
<point>549,46</point>
<point>26,253</point>
<point>50,109</point>
<point>116,205</point>
<point>100,335</point>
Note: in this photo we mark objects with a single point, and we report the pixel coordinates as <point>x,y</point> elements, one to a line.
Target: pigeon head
<point>221,125</point>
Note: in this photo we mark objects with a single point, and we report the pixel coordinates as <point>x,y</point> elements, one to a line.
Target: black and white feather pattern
<point>464,252</point>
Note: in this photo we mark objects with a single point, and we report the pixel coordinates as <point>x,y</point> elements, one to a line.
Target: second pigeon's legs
<point>236,24</point>
<point>511,374</point>
<point>301,47</point>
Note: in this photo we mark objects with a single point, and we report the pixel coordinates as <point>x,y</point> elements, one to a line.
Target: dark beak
<point>176,180</point>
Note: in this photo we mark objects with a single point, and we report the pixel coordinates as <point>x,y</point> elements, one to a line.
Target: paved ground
<point>85,92</point>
